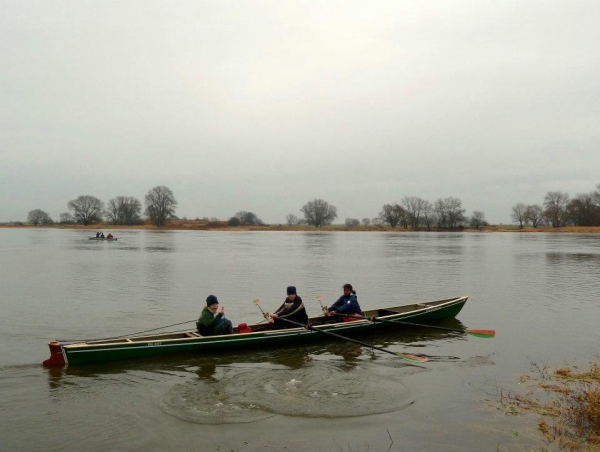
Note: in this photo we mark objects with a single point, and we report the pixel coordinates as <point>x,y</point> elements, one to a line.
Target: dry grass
<point>568,402</point>
<point>571,229</point>
<point>202,225</point>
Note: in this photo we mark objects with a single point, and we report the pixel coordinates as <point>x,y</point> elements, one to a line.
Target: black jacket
<point>292,310</point>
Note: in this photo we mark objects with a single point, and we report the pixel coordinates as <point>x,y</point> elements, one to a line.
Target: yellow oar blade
<point>481,333</point>
<point>413,358</point>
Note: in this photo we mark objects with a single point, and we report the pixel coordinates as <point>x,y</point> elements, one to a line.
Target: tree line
<point>160,204</point>
<point>560,210</point>
<point>412,211</point>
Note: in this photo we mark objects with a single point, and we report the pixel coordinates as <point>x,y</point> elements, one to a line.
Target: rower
<point>346,304</point>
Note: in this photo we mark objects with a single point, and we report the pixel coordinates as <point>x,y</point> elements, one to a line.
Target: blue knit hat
<point>211,299</point>
<point>291,290</point>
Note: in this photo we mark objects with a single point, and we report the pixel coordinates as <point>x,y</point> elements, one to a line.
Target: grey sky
<point>262,106</point>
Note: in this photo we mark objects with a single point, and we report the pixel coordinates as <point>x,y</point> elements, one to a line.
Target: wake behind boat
<point>250,336</point>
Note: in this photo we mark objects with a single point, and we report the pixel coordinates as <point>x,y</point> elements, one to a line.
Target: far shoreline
<point>201,225</point>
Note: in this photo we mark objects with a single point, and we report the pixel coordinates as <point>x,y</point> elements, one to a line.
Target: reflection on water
<point>161,241</point>
<point>207,371</point>
<point>564,258</point>
<point>319,244</point>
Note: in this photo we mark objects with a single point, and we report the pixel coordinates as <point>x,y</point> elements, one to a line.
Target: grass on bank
<point>568,402</point>
<point>203,225</point>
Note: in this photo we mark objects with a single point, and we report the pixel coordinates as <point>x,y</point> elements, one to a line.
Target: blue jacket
<point>346,305</point>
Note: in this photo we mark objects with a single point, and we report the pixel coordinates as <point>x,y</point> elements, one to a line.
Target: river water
<point>540,292</point>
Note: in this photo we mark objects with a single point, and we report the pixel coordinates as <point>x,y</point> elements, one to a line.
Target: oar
<point>320,299</point>
<point>130,334</point>
<point>406,356</point>
<point>257,303</point>
<point>476,333</point>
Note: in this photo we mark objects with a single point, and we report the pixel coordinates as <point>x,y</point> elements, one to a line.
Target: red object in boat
<point>244,328</point>
<point>56,355</point>
<point>351,319</point>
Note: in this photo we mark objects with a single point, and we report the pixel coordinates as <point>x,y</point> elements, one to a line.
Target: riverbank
<point>200,225</point>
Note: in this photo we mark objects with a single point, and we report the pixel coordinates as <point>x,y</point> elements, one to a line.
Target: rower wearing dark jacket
<point>346,304</point>
<point>212,322</point>
<point>292,309</point>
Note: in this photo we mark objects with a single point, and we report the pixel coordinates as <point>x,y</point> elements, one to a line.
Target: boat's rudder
<point>56,355</point>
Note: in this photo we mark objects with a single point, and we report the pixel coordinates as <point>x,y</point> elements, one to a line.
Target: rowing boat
<point>103,238</point>
<point>256,335</point>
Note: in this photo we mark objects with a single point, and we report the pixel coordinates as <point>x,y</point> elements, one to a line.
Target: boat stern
<point>57,358</point>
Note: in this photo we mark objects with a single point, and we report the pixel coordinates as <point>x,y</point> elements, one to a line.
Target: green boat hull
<point>190,342</point>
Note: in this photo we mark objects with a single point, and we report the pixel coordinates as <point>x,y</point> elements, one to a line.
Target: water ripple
<point>322,389</point>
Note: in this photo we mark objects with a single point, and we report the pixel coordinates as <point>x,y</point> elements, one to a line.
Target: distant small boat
<point>252,336</point>
<point>103,238</point>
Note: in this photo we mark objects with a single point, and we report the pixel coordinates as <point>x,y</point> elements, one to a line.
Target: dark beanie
<point>291,290</point>
<point>211,299</point>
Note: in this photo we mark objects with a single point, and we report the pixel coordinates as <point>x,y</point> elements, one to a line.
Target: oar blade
<point>413,358</point>
<point>256,301</point>
<point>481,333</point>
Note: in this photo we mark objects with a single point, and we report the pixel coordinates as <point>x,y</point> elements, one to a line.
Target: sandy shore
<point>193,225</point>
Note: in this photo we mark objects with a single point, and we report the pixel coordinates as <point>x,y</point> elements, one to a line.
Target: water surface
<point>539,291</point>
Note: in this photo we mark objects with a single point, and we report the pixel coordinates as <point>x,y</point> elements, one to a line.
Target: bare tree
<point>38,216</point>
<point>352,222</point>
<point>86,209</point>
<point>366,221</point>
<point>319,213</point>
<point>428,214</point>
<point>440,213</point>
<point>555,203</point>
<point>248,218</point>
<point>450,213</point>
<point>66,218</point>
<point>456,214</point>
<point>160,205</point>
<point>413,207</point>
<point>124,210</point>
<point>583,211</point>
<point>597,195</point>
<point>478,219</point>
<point>519,214</point>
<point>392,214</point>
<point>534,214</point>
<point>291,219</point>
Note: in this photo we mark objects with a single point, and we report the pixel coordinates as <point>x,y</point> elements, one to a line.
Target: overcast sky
<point>264,105</point>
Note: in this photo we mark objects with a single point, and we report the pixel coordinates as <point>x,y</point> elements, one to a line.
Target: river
<point>539,291</point>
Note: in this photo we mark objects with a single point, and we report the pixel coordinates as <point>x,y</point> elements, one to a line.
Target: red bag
<point>243,328</point>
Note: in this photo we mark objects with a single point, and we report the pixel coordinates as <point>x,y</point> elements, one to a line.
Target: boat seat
<point>384,312</point>
<point>191,334</point>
